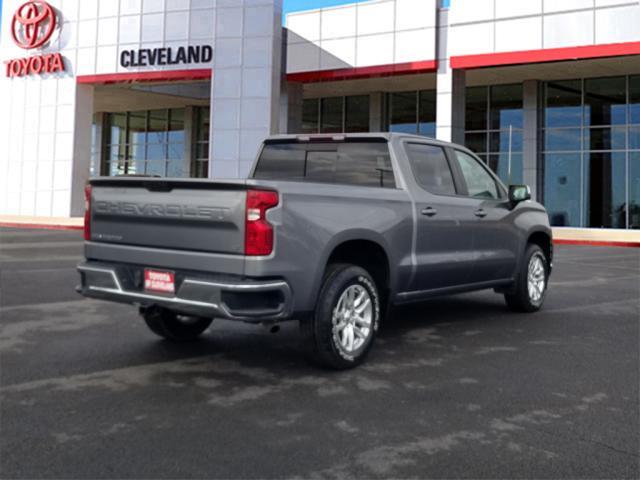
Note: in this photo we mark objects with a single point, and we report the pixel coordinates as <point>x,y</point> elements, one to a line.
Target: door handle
<point>480,213</point>
<point>429,211</point>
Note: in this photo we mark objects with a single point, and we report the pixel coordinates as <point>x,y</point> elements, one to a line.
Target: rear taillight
<point>259,232</point>
<point>87,212</point>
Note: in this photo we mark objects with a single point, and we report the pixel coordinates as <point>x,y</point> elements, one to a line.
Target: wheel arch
<point>365,249</point>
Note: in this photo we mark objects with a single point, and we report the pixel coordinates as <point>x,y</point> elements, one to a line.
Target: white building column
<point>530,104</point>
<point>451,85</point>
<point>81,162</point>
<point>245,100</point>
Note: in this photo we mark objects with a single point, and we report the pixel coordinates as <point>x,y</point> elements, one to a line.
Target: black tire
<point>174,327</point>
<point>521,300</point>
<point>321,336</point>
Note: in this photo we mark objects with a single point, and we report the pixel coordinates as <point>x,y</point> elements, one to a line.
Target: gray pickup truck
<point>328,230</point>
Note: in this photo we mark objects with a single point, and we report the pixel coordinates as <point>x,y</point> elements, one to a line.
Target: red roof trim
<point>427,66</point>
<point>546,55</point>
<point>155,76</point>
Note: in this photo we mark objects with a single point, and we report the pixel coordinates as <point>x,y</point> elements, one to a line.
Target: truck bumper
<point>230,297</point>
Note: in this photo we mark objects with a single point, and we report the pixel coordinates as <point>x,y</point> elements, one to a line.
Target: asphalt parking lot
<point>455,388</point>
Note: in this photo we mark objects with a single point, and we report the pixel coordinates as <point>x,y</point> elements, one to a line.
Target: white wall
<point>45,123</point>
<point>493,26</point>
<point>380,32</point>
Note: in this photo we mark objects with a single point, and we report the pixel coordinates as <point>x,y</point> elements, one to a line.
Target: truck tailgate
<point>194,215</point>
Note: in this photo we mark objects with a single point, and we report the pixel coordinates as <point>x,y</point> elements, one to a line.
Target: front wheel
<point>174,327</point>
<point>531,282</point>
<point>343,327</point>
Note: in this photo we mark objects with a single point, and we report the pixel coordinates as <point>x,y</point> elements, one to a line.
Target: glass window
<point>634,100</point>
<point>176,126</point>
<point>321,166</point>
<point>564,139</point>
<point>476,108</point>
<point>431,168</point>
<point>365,164</point>
<point>508,168</point>
<point>331,117</point>
<point>505,141</point>
<point>137,127</point>
<point>634,190</point>
<point>605,138</point>
<point>310,110</point>
<point>361,163</point>
<point>605,196</point>
<point>117,128</point>
<point>150,142</point>
<point>403,112</point>
<point>200,166</point>
<point>427,113</point>
<point>605,101</point>
<point>476,142</point>
<point>506,107</point>
<point>479,183</point>
<point>357,114</point>
<point>562,189</point>
<point>564,104</point>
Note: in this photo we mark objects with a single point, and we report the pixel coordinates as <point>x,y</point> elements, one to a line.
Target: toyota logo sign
<point>33,24</point>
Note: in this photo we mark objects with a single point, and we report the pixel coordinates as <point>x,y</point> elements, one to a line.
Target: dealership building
<point>547,92</point>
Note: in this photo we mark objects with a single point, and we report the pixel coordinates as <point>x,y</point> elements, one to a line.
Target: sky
<point>297,5</point>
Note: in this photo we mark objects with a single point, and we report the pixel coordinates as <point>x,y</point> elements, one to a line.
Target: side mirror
<point>519,193</point>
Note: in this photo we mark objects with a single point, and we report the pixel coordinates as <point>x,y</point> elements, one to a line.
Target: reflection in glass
<point>157,131</point>
<point>564,139</point>
<point>506,107</point>
<point>505,140</point>
<point>564,104</point>
<point>118,127</point>
<point>310,111</point>
<point>634,99</point>
<point>605,101</point>
<point>605,138</point>
<point>509,171</point>
<point>331,117</point>
<point>634,190</point>
<point>403,112</point>
<point>476,142</point>
<point>476,108</point>
<point>427,113</point>
<point>605,195</point>
<point>562,189</point>
<point>357,114</point>
<point>137,127</point>
<point>176,125</point>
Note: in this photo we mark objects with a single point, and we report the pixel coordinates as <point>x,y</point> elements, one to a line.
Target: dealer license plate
<point>159,282</point>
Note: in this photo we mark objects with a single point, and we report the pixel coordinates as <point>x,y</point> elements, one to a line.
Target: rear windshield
<point>355,163</point>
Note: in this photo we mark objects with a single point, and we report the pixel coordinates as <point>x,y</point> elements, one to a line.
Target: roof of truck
<point>389,136</point>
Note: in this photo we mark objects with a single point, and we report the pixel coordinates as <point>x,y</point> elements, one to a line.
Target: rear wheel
<point>173,326</point>
<point>531,283</point>
<point>343,327</point>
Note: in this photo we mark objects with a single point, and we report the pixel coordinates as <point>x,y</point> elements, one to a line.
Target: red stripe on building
<point>156,76</point>
<point>41,226</point>
<point>427,66</point>
<point>546,55</point>
<point>596,243</point>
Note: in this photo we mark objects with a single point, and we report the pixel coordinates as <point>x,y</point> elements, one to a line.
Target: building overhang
<point>549,55</point>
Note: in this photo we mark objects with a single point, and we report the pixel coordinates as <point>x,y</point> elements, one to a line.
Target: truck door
<point>444,242</point>
<point>495,236</point>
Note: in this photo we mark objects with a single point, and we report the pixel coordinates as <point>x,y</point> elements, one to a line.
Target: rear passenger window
<point>350,163</point>
<point>431,168</point>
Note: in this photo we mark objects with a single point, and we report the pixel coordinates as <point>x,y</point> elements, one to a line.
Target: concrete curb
<point>561,235</point>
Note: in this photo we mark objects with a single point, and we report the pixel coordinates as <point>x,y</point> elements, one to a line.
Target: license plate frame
<point>159,281</point>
